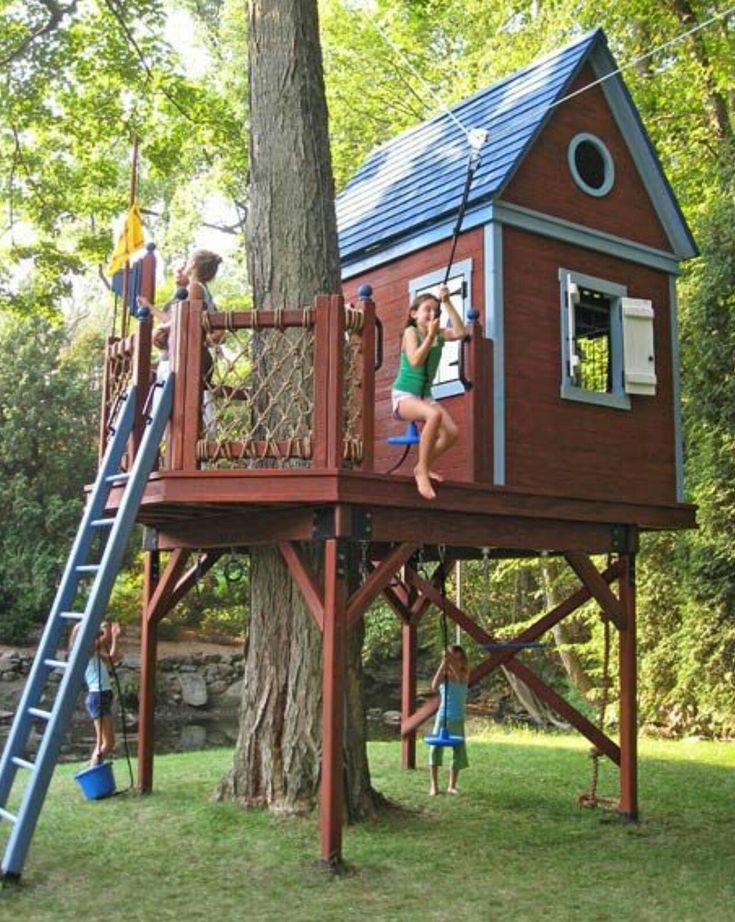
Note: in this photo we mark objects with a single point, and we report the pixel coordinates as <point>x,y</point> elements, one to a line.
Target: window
<point>446,380</point>
<point>592,340</point>
<point>591,164</point>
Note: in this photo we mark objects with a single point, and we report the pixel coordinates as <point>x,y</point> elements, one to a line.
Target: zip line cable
<point>532,116</point>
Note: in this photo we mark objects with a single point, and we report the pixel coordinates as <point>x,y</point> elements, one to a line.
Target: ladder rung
<point>38,712</point>
<point>22,763</point>
<point>72,615</point>
<point>102,523</point>
<point>56,663</point>
<point>6,815</point>
<point>114,478</point>
<point>87,568</point>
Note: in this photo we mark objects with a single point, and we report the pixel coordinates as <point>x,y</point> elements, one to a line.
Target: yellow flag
<point>130,241</point>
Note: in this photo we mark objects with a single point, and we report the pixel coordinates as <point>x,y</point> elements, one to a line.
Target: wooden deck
<point>244,508</point>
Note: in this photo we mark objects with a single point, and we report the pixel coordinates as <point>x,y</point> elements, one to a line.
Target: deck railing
<point>290,388</point>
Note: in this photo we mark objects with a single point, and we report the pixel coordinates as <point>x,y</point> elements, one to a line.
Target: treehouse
<point>566,392</point>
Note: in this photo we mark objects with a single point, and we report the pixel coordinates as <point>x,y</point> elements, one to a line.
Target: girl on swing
<point>421,349</point>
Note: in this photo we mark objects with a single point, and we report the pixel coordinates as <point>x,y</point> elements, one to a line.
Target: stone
<point>392,718</point>
<point>8,663</point>
<point>374,714</point>
<point>218,688</point>
<point>193,689</point>
<point>193,737</point>
<point>234,692</point>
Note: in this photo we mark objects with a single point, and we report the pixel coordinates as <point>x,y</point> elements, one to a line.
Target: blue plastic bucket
<point>96,782</point>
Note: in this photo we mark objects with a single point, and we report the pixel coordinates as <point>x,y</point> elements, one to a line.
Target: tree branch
<point>56,15</point>
<point>717,101</point>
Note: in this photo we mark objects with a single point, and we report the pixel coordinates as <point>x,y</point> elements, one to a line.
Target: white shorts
<point>397,396</point>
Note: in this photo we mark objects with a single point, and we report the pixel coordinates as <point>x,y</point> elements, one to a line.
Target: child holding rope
<point>451,682</point>
<point>98,702</point>
<point>421,349</point>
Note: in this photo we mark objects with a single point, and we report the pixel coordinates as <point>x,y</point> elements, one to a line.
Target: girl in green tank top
<point>421,349</point>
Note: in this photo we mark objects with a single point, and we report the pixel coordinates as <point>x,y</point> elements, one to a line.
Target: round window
<point>591,165</point>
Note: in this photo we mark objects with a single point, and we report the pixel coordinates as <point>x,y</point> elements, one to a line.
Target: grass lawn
<point>512,845</point>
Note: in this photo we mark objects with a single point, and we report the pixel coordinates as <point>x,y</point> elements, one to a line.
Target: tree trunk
<point>292,256</point>
<point>570,661</point>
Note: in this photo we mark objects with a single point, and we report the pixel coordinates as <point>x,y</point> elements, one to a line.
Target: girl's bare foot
<point>433,792</point>
<point>423,483</point>
<point>452,791</point>
<point>438,477</point>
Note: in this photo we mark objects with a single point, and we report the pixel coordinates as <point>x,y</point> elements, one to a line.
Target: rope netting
<point>119,378</point>
<point>353,359</point>
<point>258,392</point>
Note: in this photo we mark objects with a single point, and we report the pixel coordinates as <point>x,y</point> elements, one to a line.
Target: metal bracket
<point>150,539</point>
<point>362,525</point>
<point>624,539</point>
<point>325,525</point>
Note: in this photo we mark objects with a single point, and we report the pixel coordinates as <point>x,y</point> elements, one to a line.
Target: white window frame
<point>568,279</point>
<point>606,156</point>
<point>452,386</point>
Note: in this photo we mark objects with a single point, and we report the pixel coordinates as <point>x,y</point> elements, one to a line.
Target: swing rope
<point>444,737</point>
<point>592,799</point>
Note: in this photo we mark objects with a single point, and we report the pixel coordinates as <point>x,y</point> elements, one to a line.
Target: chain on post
<point>234,570</point>
<point>363,567</point>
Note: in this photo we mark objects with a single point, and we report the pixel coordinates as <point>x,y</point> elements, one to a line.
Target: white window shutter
<point>639,366</point>
<point>572,301</point>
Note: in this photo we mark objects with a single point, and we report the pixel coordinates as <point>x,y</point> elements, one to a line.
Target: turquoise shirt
<point>96,675</point>
<point>456,695</point>
<point>416,379</point>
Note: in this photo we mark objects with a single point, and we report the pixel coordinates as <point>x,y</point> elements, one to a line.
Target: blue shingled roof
<point>415,180</point>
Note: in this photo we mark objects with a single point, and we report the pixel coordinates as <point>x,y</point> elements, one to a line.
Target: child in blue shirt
<point>451,682</point>
<point>99,688</point>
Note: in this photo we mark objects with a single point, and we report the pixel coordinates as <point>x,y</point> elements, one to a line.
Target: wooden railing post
<point>193,389</point>
<point>141,378</point>
<point>320,418</point>
<point>479,406</point>
<point>178,349</point>
<point>367,386</point>
<point>335,398</point>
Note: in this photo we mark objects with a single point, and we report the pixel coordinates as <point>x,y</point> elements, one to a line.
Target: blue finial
<point>142,312</point>
<point>473,314</point>
<point>150,247</point>
<point>181,294</point>
<point>364,291</point>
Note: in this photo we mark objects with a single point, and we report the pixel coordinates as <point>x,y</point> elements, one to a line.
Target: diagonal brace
<point>599,589</point>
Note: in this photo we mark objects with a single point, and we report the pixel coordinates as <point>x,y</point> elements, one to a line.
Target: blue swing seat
<point>443,738</point>
<point>410,437</point>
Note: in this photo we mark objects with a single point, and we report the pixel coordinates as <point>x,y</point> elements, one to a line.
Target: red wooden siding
<point>544,182</point>
<point>390,293</point>
<point>563,446</point>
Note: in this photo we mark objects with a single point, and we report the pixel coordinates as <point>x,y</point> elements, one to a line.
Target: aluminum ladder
<point>114,532</point>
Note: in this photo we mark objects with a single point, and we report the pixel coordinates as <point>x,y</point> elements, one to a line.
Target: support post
<point>409,644</point>
<point>148,653</point>
<point>628,695</point>
<point>333,692</point>
<point>160,594</point>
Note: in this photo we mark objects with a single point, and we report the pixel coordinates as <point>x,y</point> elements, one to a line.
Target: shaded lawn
<point>512,844</point>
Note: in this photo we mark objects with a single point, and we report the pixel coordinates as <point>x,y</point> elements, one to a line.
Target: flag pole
<point>126,270</point>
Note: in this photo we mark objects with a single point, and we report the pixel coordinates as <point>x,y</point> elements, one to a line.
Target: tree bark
<point>569,658</point>
<point>292,256</point>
